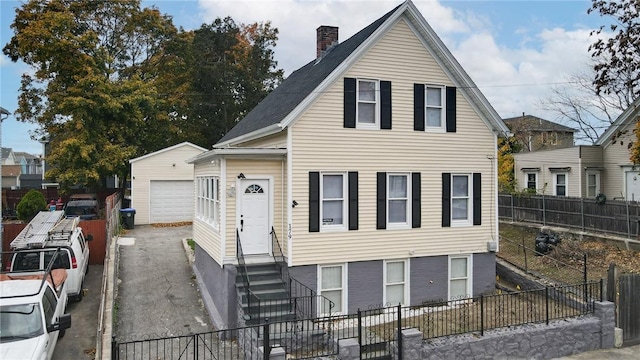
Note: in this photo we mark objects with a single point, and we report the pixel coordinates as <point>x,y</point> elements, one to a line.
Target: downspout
<point>580,190</point>
<point>289,197</point>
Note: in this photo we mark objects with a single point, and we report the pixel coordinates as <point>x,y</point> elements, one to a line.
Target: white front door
<point>254,216</point>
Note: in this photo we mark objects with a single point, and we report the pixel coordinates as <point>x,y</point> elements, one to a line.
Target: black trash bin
<point>127,216</point>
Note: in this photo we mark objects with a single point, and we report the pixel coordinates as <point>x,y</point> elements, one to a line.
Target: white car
<point>32,314</point>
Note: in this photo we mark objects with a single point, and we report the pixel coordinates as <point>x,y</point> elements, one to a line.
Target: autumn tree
<point>90,91</point>
<point>506,177</point>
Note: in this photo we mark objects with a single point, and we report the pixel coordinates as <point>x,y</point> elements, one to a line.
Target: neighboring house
<point>586,170</point>
<point>375,166</point>
<point>31,170</point>
<point>162,185</point>
<point>535,134</point>
<point>8,157</point>
<point>10,176</point>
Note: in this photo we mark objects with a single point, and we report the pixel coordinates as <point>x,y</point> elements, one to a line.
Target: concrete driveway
<point>157,291</point>
<point>79,341</point>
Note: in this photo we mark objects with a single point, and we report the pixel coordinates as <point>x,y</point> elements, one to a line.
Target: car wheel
<point>61,333</point>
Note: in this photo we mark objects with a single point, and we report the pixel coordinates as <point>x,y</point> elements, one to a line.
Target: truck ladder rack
<point>36,233</point>
<point>64,229</point>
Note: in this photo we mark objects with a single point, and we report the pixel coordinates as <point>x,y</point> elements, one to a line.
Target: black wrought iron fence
<point>378,330</point>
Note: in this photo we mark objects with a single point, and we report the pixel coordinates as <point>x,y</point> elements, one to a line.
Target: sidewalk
<point>157,291</point>
<point>624,353</point>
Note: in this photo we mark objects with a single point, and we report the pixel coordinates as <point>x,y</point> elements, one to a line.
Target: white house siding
<point>545,159</point>
<point>208,238</point>
<point>167,164</point>
<point>273,168</point>
<point>320,143</point>
<point>616,156</point>
<point>278,140</point>
<point>591,158</point>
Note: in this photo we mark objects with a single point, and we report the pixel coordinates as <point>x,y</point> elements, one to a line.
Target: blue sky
<point>515,51</point>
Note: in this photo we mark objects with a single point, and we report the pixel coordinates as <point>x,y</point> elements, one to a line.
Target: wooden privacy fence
<point>613,217</point>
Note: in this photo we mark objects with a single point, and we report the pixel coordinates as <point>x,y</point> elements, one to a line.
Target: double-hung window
<point>208,199</point>
<point>532,181</point>
<point>459,277</point>
<point>368,104</point>
<point>434,111</point>
<point>560,186</point>
<point>332,282</point>
<point>398,195</point>
<point>593,184</point>
<point>395,282</point>
<point>333,204</point>
<point>460,198</point>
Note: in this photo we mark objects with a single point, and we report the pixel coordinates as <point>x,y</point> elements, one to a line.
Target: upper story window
<point>398,203</point>
<point>367,103</point>
<point>434,112</point>
<point>368,114</point>
<point>461,199</point>
<point>434,108</point>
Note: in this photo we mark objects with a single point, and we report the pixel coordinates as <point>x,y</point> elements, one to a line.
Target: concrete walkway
<point>157,292</point>
<point>624,353</point>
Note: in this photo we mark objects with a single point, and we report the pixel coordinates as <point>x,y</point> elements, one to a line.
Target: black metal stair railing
<point>253,302</point>
<point>303,299</point>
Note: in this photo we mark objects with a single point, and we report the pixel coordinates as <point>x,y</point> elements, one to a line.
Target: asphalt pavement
<point>157,292</point>
<point>79,341</point>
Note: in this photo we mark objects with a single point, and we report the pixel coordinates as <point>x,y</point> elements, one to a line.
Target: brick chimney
<point>327,37</point>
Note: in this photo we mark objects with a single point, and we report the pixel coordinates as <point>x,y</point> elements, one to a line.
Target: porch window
<point>332,287</point>
<point>208,199</point>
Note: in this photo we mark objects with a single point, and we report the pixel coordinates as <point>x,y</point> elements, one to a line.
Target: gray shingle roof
<point>534,123</point>
<point>294,89</point>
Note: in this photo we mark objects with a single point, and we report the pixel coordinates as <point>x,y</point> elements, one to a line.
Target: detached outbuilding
<point>162,189</point>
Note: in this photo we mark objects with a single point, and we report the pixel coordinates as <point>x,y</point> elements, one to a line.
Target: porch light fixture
<point>294,203</point>
<point>241,176</point>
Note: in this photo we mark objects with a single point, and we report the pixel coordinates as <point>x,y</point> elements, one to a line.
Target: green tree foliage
<point>232,70</point>
<point>113,81</point>
<point>30,205</point>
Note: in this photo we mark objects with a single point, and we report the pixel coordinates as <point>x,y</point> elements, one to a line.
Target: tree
<point>30,205</point>
<point>90,91</point>
<point>506,178</point>
<point>233,70</point>
<point>617,56</point>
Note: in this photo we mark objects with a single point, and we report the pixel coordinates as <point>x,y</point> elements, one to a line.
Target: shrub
<point>30,205</point>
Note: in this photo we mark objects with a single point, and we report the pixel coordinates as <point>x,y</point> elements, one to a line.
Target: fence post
<point>524,248</point>
<point>512,210</point>
<point>628,221</point>
<point>360,328</point>
<point>266,342</point>
<point>584,267</point>
<point>582,214</point>
<point>114,348</point>
<point>399,331</point>
<point>195,347</point>
<point>544,212</point>
<point>546,302</point>
<point>481,315</point>
<point>611,283</point>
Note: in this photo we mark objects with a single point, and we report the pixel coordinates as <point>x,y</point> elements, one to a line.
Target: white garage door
<point>171,201</point>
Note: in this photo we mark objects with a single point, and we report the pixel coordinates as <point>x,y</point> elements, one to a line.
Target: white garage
<point>162,188</point>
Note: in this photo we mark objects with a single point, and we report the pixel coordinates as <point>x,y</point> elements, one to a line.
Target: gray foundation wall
<point>218,283</point>
<point>428,279</point>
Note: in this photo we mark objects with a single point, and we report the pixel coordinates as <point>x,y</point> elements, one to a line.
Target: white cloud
<point>513,76</point>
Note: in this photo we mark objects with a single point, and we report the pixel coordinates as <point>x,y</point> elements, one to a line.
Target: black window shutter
<point>353,200</point>
<point>314,201</point>
<point>477,199</point>
<point>385,104</point>
<point>451,109</point>
<point>416,210</point>
<point>349,102</point>
<point>381,198</point>
<point>418,107</point>
<point>446,199</point>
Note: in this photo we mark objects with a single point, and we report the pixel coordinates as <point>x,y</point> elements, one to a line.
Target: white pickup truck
<point>32,313</point>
